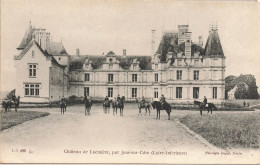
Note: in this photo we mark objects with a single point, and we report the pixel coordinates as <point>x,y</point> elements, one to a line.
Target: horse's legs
<point>145,111</point>
<point>89,111</point>
<point>149,111</point>
<point>159,114</point>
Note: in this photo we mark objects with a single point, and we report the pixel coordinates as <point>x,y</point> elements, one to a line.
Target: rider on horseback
<point>118,98</point>
<point>162,100</point>
<point>205,101</point>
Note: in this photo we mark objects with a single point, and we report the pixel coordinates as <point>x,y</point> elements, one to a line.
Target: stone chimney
<point>124,52</point>
<point>77,52</point>
<point>153,42</point>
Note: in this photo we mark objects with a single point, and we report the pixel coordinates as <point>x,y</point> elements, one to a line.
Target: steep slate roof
<point>169,43</point>
<point>97,61</point>
<point>213,45</point>
<point>56,48</point>
<point>26,38</point>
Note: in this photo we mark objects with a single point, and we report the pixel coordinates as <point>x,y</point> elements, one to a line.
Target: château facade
<point>181,70</point>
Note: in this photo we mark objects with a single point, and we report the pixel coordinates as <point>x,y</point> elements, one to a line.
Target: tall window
<point>32,89</point>
<point>86,91</point>
<point>196,92</point>
<point>179,74</point>
<point>32,70</point>
<point>134,77</point>
<point>110,77</point>
<point>134,92</point>
<point>110,92</point>
<point>156,77</point>
<point>155,92</point>
<point>196,75</point>
<point>86,76</point>
<point>179,63</point>
<point>110,66</point>
<point>178,92</point>
<point>215,93</point>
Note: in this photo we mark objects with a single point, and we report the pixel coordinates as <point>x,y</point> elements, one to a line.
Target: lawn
<point>227,130</point>
<point>13,118</point>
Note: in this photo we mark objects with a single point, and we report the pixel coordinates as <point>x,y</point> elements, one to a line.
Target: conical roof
<point>213,45</point>
<point>26,38</point>
<point>56,48</point>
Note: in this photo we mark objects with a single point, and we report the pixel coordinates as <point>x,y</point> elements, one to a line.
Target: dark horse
<point>120,105</point>
<point>106,106</point>
<point>146,106</point>
<point>202,106</point>
<point>157,105</point>
<point>7,104</point>
<point>88,104</point>
<point>16,102</point>
<point>63,106</point>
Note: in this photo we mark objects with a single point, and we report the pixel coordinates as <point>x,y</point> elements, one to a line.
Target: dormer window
<point>179,62</point>
<point>134,66</point>
<point>110,60</point>
<point>156,66</point>
<point>110,66</point>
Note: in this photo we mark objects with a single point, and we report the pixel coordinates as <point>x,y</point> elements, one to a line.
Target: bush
<point>10,94</point>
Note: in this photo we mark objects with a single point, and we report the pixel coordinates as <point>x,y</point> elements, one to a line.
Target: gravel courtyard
<point>60,138</point>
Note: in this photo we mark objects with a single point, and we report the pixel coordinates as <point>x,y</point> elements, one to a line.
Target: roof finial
<point>30,21</point>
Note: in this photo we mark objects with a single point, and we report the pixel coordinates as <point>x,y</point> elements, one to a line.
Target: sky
<point>96,27</point>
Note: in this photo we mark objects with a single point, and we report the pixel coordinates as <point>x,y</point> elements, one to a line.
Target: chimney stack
<point>77,52</point>
<point>201,41</point>
<point>124,52</point>
<point>153,42</point>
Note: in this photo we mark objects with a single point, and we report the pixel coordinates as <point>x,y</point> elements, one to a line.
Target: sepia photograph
<point>130,81</point>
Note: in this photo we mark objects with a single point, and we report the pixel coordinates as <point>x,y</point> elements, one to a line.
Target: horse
<point>16,102</point>
<point>63,107</point>
<point>146,106</point>
<point>106,106</point>
<point>120,105</point>
<point>114,106</point>
<point>202,106</point>
<point>157,105</point>
<point>6,105</point>
<point>88,104</point>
